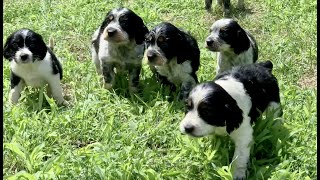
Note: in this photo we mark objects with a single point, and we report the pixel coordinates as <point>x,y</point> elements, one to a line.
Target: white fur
<point>23,51</point>
<point>201,128</point>
<point>225,55</point>
<point>176,73</point>
<point>227,59</point>
<point>121,51</point>
<point>36,74</point>
<point>241,136</point>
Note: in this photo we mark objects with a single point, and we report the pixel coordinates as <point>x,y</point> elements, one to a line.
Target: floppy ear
<point>141,31</point>
<point>241,42</point>
<point>234,117</point>
<point>7,53</point>
<point>182,48</point>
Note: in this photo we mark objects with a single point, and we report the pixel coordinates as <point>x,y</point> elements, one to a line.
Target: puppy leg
<point>56,90</point>
<point>226,7</point>
<point>241,4</point>
<point>220,2</point>
<point>108,74</point>
<point>242,138</point>
<point>208,4</point>
<point>186,87</point>
<point>16,86</point>
<point>134,72</point>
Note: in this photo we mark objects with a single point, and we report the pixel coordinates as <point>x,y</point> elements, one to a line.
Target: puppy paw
<point>239,174</point>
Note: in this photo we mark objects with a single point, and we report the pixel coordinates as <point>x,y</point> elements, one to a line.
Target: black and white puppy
<point>32,63</point>
<point>234,45</point>
<point>174,56</point>
<point>225,4</point>
<point>119,43</point>
<point>230,104</point>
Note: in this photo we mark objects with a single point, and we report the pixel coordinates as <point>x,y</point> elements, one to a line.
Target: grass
<point>115,135</point>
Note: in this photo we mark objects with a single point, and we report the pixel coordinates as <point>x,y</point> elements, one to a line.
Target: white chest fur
<point>176,73</point>
<point>121,54</point>
<point>34,74</point>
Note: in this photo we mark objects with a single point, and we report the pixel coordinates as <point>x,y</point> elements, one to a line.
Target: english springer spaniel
<point>118,44</point>
<point>174,56</point>
<point>234,45</point>
<point>32,63</point>
<point>230,104</point>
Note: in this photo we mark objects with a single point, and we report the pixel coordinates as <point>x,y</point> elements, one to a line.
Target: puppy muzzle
<point>212,45</point>
<point>155,58</point>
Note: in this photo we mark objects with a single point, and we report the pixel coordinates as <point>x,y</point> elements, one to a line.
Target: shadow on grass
<point>150,91</point>
<point>234,12</point>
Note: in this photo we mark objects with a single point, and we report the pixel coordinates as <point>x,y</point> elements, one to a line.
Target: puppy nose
<point>189,128</point>
<point>24,57</point>
<point>209,42</point>
<point>151,55</point>
<point>111,32</point>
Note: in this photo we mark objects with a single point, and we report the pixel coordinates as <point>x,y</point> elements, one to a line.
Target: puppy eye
<point>124,17</point>
<point>223,32</point>
<point>161,39</point>
<point>14,45</point>
<point>111,17</point>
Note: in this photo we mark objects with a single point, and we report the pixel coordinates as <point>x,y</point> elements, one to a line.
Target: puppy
<point>225,5</point>
<point>230,104</point>
<point>234,45</point>
<point>119,43</point>
<point>174,56</point>
<point>32,63</point>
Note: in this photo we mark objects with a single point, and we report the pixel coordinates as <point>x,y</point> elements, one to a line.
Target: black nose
<point>111,32</point>
<point>209,42</point>
<point>24,57</point>
<point>151,55</point>
<point>189,128</point>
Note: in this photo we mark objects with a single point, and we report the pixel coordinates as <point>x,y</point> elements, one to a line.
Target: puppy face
<point>208,110</point>
<point>226,34</point>
<point>162,41</point>
<point>122,25</point>
<point>24,46</point>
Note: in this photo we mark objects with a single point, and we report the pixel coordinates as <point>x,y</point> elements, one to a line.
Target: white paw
<point>239,174</point>
<point>13,98</point>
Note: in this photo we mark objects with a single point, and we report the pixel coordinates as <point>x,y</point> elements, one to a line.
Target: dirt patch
<point>308,80</point>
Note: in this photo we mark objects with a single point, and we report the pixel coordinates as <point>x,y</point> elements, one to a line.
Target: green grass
<point>115,135</point>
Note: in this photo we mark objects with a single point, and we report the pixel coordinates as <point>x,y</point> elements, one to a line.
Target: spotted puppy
<point>173,55</point>
<point>119,43</point>
<point>32,63</point>
<point>234,45</point>
<point>225,5</point>
<point>230,104</point>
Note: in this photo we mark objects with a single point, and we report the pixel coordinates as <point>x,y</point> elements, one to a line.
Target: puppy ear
<point>6,49</point>
<point>234,117</point>
<point>241,42</point>
<point>141,31</point>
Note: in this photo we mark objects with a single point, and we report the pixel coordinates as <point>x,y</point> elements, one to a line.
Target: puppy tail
<point>51,43</point>
<point>267,64</point>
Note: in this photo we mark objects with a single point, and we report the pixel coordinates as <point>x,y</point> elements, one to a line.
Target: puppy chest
<point>32,75</point>
<point>176,73</point>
